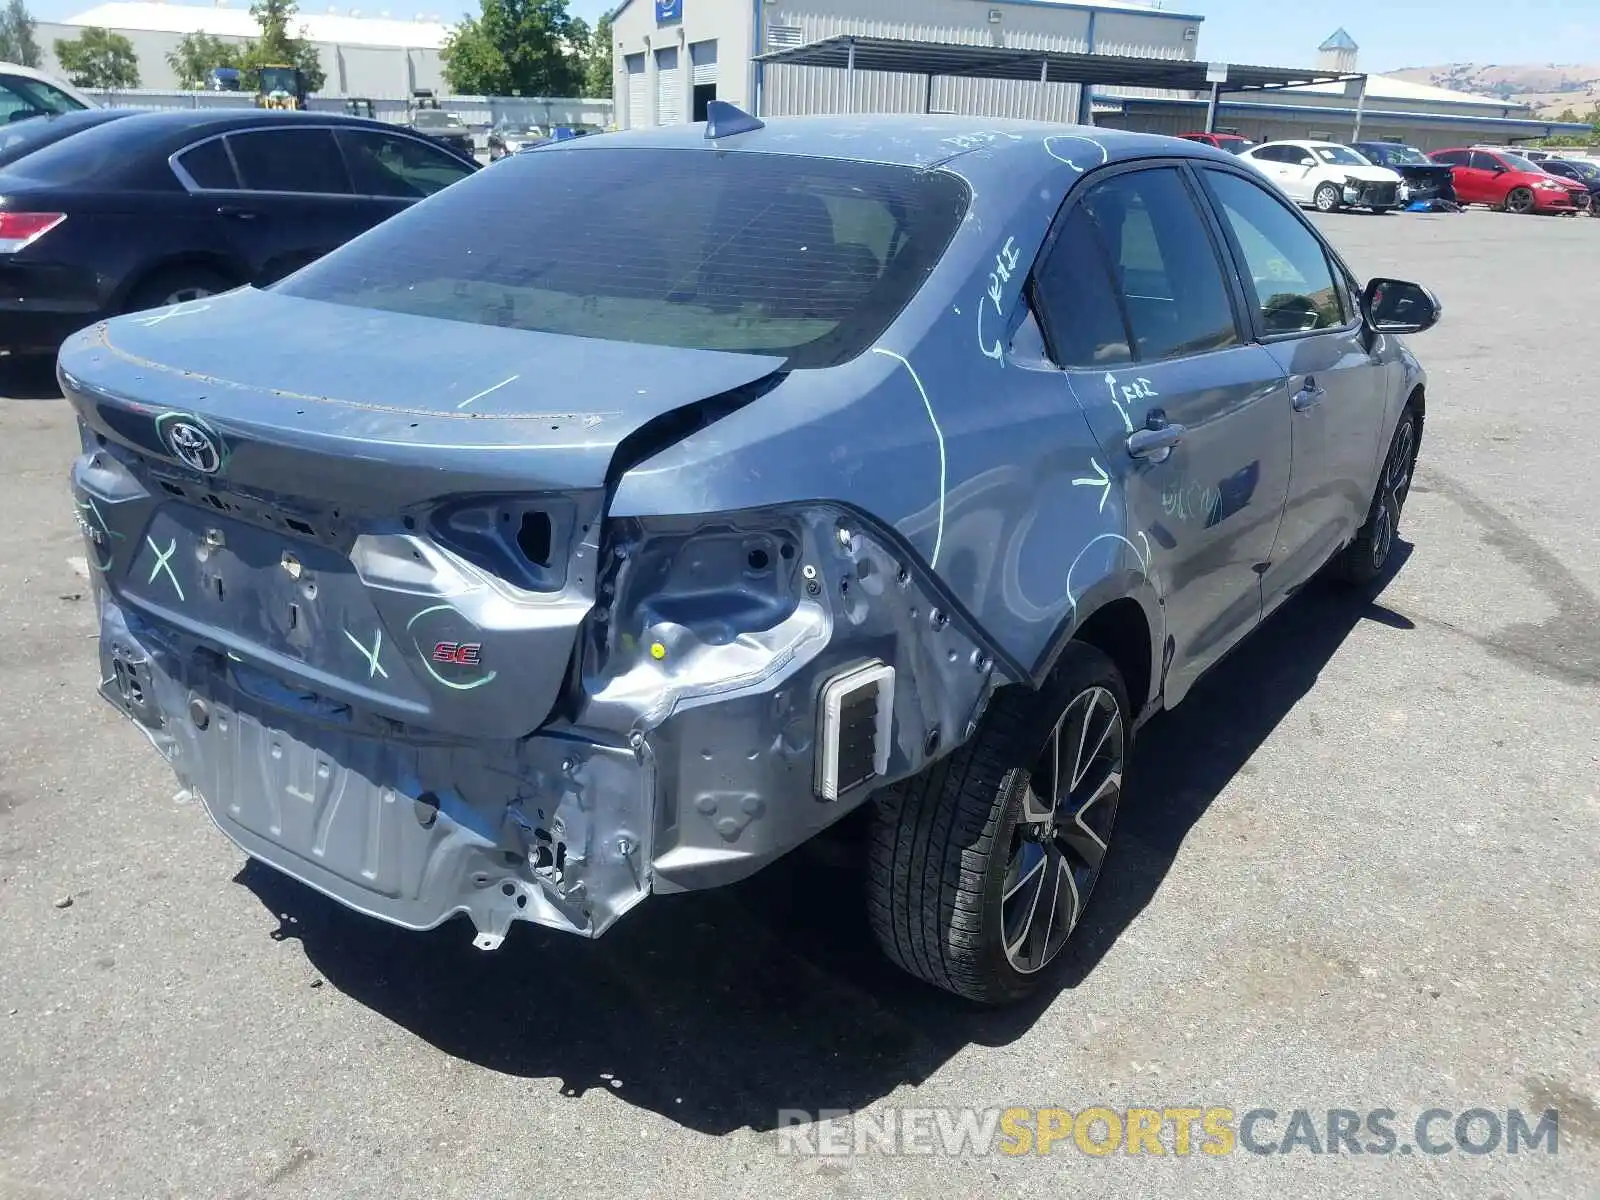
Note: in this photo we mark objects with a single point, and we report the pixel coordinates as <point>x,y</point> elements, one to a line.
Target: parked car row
<point>1383,176</point>
<point>112,211</point>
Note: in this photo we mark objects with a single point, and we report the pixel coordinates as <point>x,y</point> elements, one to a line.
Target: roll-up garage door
<point>638,97</point>
<point>703,62</point>
<point>669,87</point>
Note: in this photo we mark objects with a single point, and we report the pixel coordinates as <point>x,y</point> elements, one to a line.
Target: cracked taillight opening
<point>19,230</point>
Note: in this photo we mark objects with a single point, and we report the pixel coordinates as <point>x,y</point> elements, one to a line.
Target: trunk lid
<point>359,510</point>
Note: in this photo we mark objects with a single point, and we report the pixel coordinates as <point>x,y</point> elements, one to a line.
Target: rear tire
<point>1366,558</point>
<point>972,858</point>
<point>177,285</point>
<point>1326,198</point>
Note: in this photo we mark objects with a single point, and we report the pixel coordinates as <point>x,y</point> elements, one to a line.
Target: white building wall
<point>636,31</point>
<point>747,27</point>
<point>381,72</point>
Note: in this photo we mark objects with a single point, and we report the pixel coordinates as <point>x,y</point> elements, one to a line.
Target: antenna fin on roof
<point>725,120</point>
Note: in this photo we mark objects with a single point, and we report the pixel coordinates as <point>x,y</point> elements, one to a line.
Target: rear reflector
<point>19,229</point>
<point>856,719</point>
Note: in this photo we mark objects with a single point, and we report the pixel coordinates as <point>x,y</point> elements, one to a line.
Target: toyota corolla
<point>832,464</point>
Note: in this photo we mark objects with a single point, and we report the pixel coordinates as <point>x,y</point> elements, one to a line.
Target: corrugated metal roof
<point>342,28</point>
<point>1059,66</point>
<point>1385,87</point>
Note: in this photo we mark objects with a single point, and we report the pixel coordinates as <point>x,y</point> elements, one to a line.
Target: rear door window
<point>383,164</point>
<point>807,258</point>
<point>290,160</point>
<point>208,166</point>
<point>1079,306</point>
<point>1451,158</point>
<point>1164,263</point>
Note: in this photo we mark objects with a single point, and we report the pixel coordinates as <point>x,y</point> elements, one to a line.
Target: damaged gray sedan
<point>909,463</point>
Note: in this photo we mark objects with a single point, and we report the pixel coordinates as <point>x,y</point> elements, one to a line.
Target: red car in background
<point>1231,142</point>
<point>1510,182</point>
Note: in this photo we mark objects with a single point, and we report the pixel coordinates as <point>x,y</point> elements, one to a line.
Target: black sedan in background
<point>1424,178</point>
<point>1578,171</point>
<point>155,208</point>
<point>35,133</point>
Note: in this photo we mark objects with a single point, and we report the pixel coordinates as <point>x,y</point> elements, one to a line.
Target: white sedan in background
<point>1327,176</point>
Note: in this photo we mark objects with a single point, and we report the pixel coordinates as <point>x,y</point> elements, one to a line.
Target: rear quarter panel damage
<point>953,432</point>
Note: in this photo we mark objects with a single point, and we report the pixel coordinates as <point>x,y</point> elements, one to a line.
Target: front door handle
<point>1309,395</point>
<point>1155,443</point>
<point>242,214</point>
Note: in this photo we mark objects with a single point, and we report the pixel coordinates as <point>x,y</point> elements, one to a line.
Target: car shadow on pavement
<point>29,379</point>
<point>719,1009</point>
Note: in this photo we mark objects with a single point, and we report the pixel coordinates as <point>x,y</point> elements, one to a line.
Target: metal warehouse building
<point>672,56</point>
<point>362,55</point>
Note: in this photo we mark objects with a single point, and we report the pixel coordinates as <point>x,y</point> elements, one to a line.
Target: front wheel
<point>981,865</point>
<point>1325,198</point>
<point>1365,559</point>
<point>1519,200</point>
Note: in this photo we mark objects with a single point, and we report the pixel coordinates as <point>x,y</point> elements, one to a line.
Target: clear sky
<point>1391,33</point>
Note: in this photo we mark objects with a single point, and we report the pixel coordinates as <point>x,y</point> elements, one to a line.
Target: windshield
<point>277,79</point>
<point>1582,170</point>
<point>1406,155</point>
<point>807,258</point>
<point>1517,163</point>
<point>21,98</point>
<point>1339,156</point>
<point>433,118</point>
<point>24,137</point>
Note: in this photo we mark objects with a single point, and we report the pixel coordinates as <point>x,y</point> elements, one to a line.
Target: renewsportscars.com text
<point>1178,1131</point>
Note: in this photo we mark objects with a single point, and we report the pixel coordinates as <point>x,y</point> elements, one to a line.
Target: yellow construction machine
<point>281,86</point>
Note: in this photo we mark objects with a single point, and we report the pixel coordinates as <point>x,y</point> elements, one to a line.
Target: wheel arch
<point>207,260</point>
<point>1122,628</point>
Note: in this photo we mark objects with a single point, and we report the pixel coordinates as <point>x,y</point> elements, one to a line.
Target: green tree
<point>17,42</point>
<point>197,54</point>
<point>597,63</point>
<point>98,58</point>
<point>278,46</point>
<point>517,47</point>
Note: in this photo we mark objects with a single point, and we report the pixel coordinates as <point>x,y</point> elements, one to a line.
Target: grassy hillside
<point>1549,88</point>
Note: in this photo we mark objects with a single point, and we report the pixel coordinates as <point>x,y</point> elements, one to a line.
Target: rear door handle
<point>1309,395</point>
<point>1155,443</point>
<point>241,214</point>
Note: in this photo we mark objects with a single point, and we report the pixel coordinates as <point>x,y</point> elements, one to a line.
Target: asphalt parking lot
<point>1356,870</point>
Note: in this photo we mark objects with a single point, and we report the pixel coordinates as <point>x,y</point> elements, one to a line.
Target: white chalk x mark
<point>374,667</point>
<point>182,309</point>
<point>164,563</point>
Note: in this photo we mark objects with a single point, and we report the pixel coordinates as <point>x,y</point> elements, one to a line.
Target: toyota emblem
<point>191,441</point>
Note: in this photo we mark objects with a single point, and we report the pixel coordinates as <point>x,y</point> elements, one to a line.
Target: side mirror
<point>1395,306</point>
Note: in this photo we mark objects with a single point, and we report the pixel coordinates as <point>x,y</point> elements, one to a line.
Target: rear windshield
<point>807,258</point>
<point>24,137</point>
<point>102,153</point>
